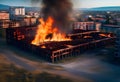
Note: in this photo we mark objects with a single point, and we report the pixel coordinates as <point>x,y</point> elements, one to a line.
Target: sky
<point>95,3</point>
<point>76,3</point>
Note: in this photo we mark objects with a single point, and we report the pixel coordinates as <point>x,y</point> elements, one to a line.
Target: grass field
<point>10,73</point>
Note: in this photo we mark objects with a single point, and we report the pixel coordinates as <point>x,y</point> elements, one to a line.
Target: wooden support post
<point>53,58</point>
<point>58,56</point>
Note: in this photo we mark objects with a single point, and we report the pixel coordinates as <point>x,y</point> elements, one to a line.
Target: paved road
<point>17,60</point>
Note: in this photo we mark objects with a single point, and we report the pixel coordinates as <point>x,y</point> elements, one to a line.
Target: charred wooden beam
<point>55,51</point>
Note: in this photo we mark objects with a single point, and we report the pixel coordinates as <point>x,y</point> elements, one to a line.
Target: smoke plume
<point>60,10</point>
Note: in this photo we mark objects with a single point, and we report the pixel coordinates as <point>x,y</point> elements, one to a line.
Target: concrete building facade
<point>87,25</point>
<point>17,10</point>
<point>4,19</point>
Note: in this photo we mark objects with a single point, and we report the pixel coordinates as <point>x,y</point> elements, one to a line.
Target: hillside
<point>4,7</point>
<point>110,8</point>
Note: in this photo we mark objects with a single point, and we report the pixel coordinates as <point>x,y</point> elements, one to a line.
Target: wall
<point>2,33</point>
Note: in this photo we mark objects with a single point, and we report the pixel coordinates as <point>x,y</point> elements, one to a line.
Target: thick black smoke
<point>60,10</point>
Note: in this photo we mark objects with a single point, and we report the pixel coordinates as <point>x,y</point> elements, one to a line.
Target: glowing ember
<point>46,32</point>
<point>105,35</point>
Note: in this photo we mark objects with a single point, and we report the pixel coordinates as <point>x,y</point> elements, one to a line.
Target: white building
<point>87,25</point>
<point>17,11</point>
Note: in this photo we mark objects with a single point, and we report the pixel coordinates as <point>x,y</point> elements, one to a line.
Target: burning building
<point>46,33</point>
<point>50,40</point>
<point>59,48</point>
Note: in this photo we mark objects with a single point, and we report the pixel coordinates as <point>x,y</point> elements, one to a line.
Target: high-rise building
<point>17,10</point>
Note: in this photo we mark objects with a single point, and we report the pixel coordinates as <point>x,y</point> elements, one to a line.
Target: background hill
<point>109,8</point>
<point>6,7</point>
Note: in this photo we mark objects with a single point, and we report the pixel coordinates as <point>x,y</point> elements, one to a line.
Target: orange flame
<point>105,35</point>
<point>46,32</point>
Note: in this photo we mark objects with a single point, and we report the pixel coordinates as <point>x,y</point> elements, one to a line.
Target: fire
<point>105,35</point>
<point>46,32</point>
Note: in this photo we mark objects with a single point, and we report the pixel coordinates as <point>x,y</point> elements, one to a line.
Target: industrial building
<point>116,30</point>
<point>53,51</point>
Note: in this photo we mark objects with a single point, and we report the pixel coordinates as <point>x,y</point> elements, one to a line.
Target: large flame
<point>46,32</point>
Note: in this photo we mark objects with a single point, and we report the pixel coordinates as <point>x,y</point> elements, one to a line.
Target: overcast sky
<point>77,3</point>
